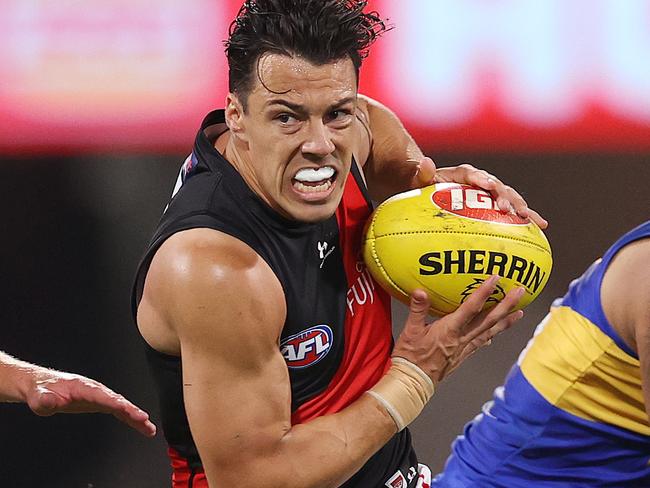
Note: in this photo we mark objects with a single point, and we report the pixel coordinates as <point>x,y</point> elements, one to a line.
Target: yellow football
<point>449,238</point>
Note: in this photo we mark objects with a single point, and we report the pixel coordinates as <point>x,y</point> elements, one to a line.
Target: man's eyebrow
<point>292,106</point>
<point>343,101</point>
<point>301,109</point>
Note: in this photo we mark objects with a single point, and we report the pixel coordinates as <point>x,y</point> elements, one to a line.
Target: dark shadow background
<point>73,230</point>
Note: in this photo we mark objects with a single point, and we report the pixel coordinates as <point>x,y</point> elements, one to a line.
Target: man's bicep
<point>238,406</point>
<point>227,309</point>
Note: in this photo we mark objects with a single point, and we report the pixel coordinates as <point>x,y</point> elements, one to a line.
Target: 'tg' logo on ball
<point>472,203</point>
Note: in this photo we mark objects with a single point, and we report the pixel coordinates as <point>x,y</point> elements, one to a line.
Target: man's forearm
<point>352,436</point>
<point>345,440</point>
<point>15,376</point>
<point>324,452</point>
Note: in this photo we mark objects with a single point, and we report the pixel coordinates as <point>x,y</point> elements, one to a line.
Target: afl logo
<point>473,203</point>
<point>308,347</point>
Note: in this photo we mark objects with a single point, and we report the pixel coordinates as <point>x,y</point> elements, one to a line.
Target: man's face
<point>299,134</point>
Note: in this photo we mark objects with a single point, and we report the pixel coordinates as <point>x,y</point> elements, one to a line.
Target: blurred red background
<point>99,104</point>
<point>463,75</point>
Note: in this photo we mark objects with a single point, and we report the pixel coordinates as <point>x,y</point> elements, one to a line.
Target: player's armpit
<point>227,308</point>
<point>625,296</point>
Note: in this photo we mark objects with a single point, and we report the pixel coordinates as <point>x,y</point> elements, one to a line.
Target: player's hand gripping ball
<point>447,239</point>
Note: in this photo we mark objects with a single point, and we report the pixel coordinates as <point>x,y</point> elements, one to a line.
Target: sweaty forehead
<point>296,77</point>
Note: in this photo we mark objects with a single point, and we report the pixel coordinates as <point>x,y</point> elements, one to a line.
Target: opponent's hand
<point>506,197</point>
<point>57,392</point>
<point>440,347</point>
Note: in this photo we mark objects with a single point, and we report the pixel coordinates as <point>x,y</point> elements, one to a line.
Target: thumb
<point>426,172</point>
<point>43,402</point>
<point>418,308</point>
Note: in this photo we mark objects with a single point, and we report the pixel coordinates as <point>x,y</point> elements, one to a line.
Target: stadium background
<point>100,102</point>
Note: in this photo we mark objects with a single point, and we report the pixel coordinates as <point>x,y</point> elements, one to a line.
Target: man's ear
<point>235,116</point>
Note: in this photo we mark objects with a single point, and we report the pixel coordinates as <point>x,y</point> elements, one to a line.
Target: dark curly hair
<point>321,31</point>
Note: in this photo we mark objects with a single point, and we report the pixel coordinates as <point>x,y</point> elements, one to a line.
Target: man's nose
<point>318,142</point>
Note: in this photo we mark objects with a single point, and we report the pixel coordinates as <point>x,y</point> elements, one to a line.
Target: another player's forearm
<point>394,155</point>
<point>16,377</point>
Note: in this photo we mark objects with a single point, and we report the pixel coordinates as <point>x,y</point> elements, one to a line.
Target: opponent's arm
<point>47,392</point>
<point>227,309</point>
<point>625,295</point>
<point>393,162</point>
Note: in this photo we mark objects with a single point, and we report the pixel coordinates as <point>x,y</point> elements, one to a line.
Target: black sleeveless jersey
<point>336,339</point>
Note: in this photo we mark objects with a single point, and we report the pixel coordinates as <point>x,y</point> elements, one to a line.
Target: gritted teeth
<point>312,175</point>
<point>313,188</point>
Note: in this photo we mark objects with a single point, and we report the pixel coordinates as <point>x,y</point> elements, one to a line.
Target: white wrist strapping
<point>403,391</point>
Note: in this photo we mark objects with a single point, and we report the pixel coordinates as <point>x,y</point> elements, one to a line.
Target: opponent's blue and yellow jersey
<point>571,413</point>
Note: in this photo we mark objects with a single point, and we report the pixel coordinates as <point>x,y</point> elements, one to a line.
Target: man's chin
<point>310,214</point>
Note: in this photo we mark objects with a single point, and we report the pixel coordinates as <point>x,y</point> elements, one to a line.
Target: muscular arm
<point>211,299</point>
<point>625,296</point>
<point>227,310</point>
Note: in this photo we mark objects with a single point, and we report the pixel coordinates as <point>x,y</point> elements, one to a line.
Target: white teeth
<point>312,175</point>
<point>312,189</point>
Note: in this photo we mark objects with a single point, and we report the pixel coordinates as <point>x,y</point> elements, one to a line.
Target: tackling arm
<point>16,378</point>
<point>47,392</point>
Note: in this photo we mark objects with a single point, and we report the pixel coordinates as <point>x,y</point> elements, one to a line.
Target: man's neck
<point>222,141</point>
<point>239,158</point>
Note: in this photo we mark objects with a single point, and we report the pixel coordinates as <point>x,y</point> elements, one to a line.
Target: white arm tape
<point>403,391</point>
